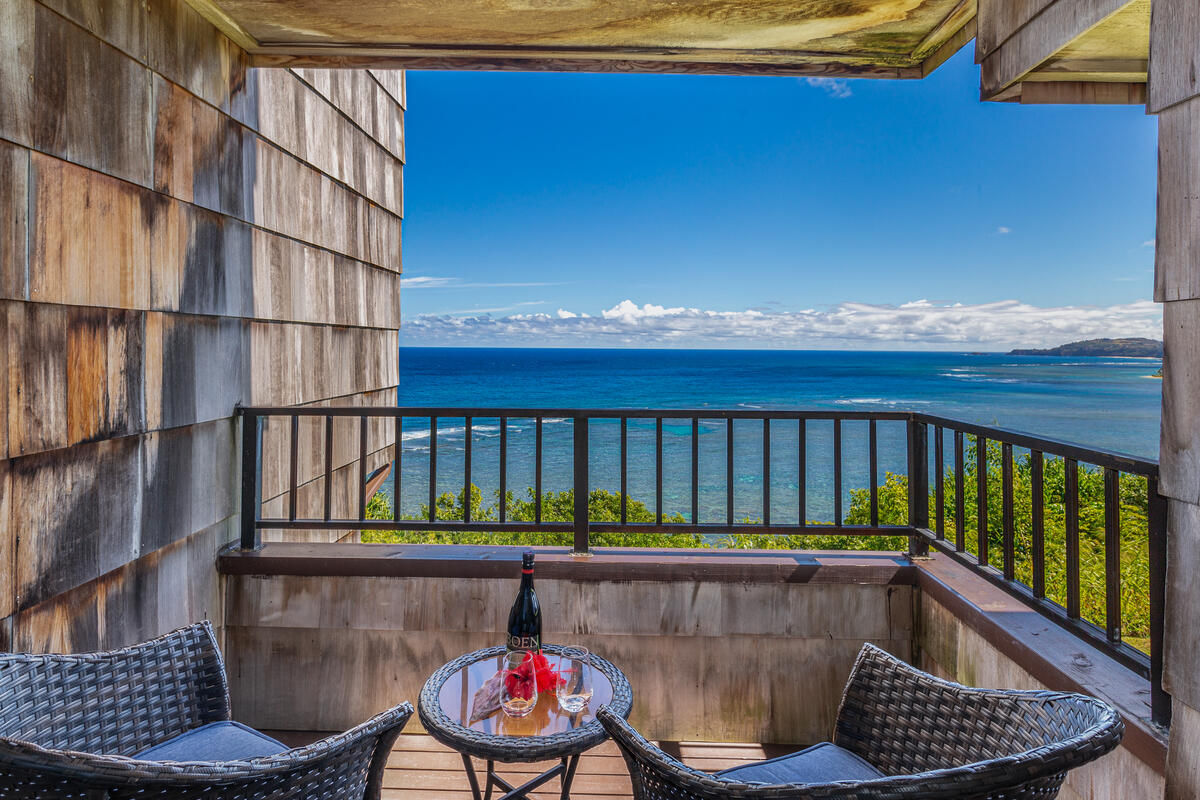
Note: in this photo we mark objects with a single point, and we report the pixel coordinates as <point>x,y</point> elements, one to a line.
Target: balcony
<point>1003,560</point>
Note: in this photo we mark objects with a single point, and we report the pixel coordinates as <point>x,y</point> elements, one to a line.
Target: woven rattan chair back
<point>934,740</point>
<point>68,724</point>
<point>905,721</point>
<point>96,702</point>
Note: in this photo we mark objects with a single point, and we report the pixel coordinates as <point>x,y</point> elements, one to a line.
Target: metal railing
<point>938,512</point>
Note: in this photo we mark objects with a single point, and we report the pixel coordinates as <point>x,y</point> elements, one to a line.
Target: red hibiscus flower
<point>535,670</point>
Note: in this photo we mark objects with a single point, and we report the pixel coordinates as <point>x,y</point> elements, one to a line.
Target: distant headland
<point>1130,348</point>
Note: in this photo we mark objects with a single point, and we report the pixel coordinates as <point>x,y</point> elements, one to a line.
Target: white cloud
<point>915,325</point>
<point>1003,230</point>
<point>437,282</point>
<point>425,282</point>
<point>834,87</point>
<point>497,309</point>
<point>1148,243</point>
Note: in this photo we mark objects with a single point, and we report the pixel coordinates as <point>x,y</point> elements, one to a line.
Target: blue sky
<point>664,210</point>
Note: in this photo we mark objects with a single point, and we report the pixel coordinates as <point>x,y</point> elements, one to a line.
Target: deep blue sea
<point>1107,403</point>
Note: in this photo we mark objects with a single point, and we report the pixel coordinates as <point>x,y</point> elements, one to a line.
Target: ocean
<point>1106,403</point>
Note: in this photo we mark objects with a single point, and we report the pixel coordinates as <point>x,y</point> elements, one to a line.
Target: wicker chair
<point>69,722</point>
<point>931,738</point>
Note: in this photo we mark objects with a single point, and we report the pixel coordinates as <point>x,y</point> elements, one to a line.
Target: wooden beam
<point>949,29</point>
<point>1082,93</point>
<point>695,63</point>
<point>224,23</point>
<point>949,47</point>
<point>1059,24</point>
<point>1000,19</point>
<point>1175,69</point>
<point>1100,71</point>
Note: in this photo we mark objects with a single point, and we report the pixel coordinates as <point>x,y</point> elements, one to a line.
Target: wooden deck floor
<point>423,769</point>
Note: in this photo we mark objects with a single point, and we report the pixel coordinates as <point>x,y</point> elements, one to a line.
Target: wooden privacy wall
<point>178,233</point>
<point>708,660</point>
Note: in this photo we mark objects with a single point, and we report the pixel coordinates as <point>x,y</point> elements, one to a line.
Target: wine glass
<point>574,679</point>
<point>518,684</point>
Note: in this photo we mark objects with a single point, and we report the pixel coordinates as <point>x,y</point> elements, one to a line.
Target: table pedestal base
<point>566,768</point>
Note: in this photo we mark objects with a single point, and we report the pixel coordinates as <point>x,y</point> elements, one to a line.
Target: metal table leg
<point>471,776</point>
<point>568,776</point>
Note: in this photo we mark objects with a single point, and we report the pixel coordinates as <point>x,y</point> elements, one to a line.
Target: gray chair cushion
<point>216,741</point>
<point>821,763</point>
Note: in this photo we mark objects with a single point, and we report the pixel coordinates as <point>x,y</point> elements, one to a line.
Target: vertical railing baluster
<point>1112,554</point>
<point>802,471</point>
<point>397,469</point>
<point>874,468</point>
<point>433,430</point>
<point>624,470</point>
<point>467,425</point>
<point>981,500</point>
<point>293,466</point>
<point>837,473</point>
<point>504,469</point>
<point>1038,519</point>
<point>960,501</point>
<point>729,471</point>
<point>766,454</point>
<point>581,491</point>
<point>918,486</point>
<point>1160,701</point>
<point>658,470</point>
<point>695,471</point>
<point>329,469</point>
<point>939,458</point>
<point>251,537</point>
<point>537,472</point>
<point>362,467</point>
<point>1071,501</point>
<point>1008,526</point>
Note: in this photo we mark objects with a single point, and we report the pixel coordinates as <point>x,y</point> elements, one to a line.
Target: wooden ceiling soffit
<point>1073,51</point>
<point>829,38</point>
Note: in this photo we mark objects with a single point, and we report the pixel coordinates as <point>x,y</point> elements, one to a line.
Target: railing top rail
<point>1115,460</point>
<point>1122,462</point>
<point>573,413</point>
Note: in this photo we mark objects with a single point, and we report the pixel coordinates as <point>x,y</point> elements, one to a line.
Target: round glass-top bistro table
<point>547,733</point>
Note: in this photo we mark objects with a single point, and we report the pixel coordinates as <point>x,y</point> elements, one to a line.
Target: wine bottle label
<point>527,642</point>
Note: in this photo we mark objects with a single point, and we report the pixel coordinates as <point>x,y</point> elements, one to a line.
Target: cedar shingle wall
<point>178,233</point>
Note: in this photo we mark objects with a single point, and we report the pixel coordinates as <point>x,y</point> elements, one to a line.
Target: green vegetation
<point>1137,348</point>
<point>605,506</point>
<point>1133,511</point>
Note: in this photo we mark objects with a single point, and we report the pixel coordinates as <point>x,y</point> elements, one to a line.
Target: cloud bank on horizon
<point>918,325</point>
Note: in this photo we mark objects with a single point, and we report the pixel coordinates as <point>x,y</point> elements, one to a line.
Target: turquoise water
<point>1106,403</point>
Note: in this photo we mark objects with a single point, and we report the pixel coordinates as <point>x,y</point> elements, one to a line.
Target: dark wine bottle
<point>525,619</point>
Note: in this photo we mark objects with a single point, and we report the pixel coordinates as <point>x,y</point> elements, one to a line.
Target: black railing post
<point>251,474</point>
<point>918,486</point>
<point>582,523</point>
<point>1160,701</point>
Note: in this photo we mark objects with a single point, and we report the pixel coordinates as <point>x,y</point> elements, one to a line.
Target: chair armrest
<point>346,766</point>
<point>650,766</point>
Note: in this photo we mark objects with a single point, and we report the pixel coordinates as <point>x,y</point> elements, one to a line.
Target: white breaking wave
<point>878,401</point>
<point>453,432</point>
